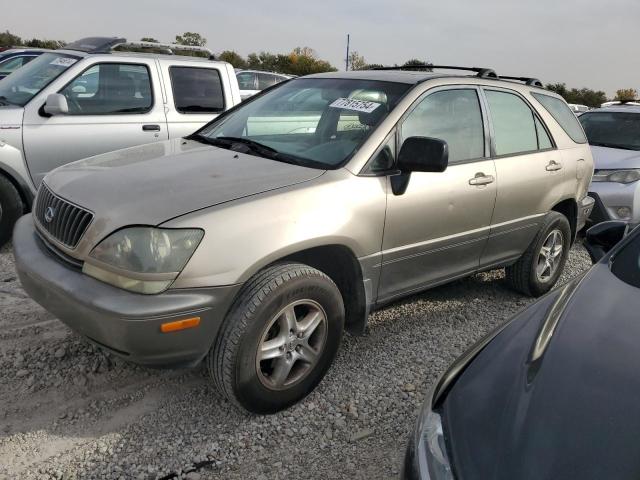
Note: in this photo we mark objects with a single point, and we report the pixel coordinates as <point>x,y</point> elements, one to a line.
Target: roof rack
<point>107,44</point>
<point>480,71</point>
<point>534,82</point>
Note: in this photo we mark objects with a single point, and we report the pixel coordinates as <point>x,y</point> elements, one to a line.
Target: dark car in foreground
<point>553,394</point>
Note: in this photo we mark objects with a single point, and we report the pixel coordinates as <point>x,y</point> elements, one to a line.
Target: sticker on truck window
<point>356,105</point>
<point>63,61</point>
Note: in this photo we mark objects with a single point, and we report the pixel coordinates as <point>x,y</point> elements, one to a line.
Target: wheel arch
<point>23,189</point>
<point>569,208</point>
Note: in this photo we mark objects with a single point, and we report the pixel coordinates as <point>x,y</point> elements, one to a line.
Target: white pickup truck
<point>88,98</point>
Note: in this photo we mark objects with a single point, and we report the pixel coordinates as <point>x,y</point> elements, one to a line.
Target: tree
<point>305,52</point>
<point>233,58</point>
<point>8,39</point>
<point>414,62</point>
<point>583,96</point>
<point>356,61</point>
<point>149,39</point>
<point>192,39</point>
<point>626,94</point>
<point>51,44</point>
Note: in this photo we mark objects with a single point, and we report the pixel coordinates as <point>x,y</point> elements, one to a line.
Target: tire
<point>524,276</point>
<point>261,317</point>
<point>11,208</point>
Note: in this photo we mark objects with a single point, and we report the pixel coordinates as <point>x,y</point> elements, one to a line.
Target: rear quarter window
<point>197,90</point>
<point>562,114</point>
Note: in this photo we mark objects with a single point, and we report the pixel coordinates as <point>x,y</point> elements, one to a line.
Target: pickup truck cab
<point>87,99</point>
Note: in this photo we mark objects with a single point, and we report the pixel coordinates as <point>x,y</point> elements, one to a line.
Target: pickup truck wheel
<point>11,208</point>
<point>539,268</point>
<point>278,339</point>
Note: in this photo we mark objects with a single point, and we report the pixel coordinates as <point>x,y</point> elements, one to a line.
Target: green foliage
<point>357,61</point>
<point>301,61</point>
<point>583,96</point>
<point>415,62</point>
<point>233,58</point>
<point>626,94</point>
<point>192,39</point>
<point>8,39</point>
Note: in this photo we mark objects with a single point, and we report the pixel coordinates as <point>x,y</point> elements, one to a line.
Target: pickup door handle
<point>482,179</point>
<point>553,166</point>
<point>150,128</point>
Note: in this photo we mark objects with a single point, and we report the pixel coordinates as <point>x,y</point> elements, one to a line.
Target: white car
<point>254,81</point>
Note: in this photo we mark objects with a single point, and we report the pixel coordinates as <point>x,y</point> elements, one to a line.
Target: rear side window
<point>197,90</point>
<point>266,80</point>
<point>246,80</point>
<point>109,89</point>
<point>453,116</point>
<point>513,123</point>
<point>561,112</point>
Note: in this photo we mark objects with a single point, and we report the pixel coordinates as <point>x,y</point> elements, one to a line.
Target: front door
<point>436,230</point>
<point>111,106</point>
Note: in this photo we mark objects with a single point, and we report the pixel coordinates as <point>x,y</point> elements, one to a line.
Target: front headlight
<point>431,451</point>
<point>142,259</point>
<point>617,176</point>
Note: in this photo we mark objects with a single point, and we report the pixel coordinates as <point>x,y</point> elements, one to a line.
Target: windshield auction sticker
<point>63,61</point>
<point>356,105</point>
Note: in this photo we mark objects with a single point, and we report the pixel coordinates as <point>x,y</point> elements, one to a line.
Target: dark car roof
<point>547,399</point>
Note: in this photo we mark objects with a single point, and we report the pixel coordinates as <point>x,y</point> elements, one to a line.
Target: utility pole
<point>346,61</point>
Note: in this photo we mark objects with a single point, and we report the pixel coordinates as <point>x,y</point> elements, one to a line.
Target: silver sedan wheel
<point>291,344</point>
<point>550,256</point>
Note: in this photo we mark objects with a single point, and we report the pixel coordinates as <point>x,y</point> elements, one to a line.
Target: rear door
<point>530,174</point>
<point>112,105</point>
<point>196,94</point>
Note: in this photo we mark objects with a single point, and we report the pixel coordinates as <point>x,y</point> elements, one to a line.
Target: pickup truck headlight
<point>617,176</point>
<point>431,451</point>
<point>142,259</point>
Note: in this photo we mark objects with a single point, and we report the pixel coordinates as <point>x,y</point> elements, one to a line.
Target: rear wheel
<point>278,339</point>
<point>11,208</point>
<point>539,268</point>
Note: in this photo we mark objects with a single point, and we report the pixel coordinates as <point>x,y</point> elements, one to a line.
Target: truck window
<point>109,89</point>
<point>197,90</point>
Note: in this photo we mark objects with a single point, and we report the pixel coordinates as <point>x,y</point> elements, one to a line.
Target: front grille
<point>62,220</point>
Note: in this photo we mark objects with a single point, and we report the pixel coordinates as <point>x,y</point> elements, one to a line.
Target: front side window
<point>612,129</point>
<point>453,116</point>
<point>109,89</point>
<point>562,114</point>
<point>315,122</point>
<point>514,125</point>
<point>197,90</point>
<point>26,82</point>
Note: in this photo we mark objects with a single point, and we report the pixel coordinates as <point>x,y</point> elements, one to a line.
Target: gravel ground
<point>68,410</point>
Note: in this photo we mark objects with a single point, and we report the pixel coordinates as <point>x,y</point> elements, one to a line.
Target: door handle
<point>150,128</point>
<point>481,179</point>
<point>553,166</point>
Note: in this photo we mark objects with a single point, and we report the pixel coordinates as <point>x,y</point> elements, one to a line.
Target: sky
<point>586,43</point>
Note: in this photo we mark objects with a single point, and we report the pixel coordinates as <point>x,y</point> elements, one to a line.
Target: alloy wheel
<point>550,256</point>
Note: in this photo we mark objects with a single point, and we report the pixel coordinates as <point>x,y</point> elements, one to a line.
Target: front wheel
<point>539,268</point>
<point>278,339</point>
<point>11,208</point>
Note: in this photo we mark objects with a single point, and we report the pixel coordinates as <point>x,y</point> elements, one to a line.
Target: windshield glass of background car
<point>26,82</point>
<point>321,120</point>
<point>626,263</point>
<point>612,129</point>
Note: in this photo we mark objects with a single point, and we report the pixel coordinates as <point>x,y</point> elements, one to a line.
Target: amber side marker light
<point>180,325</point>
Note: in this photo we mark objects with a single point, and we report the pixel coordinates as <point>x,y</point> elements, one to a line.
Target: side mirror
<point>56,104</point>
<point>603,237</point>
<point>423,154</point>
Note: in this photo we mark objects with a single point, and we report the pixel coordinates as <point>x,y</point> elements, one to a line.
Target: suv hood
<point>150,184</point>
<point>606,158</point>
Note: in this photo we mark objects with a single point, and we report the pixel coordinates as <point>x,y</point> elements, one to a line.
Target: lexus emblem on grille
<point>49,213</point>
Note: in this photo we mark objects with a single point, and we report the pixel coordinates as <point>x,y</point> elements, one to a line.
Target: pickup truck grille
<point>62,220</point>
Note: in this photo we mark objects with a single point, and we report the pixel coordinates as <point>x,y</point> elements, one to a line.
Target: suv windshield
<point>314,122</point>
<point>26,82</point>
<point>612,129</point>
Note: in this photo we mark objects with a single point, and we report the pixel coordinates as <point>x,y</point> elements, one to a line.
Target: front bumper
<point>125,323</point>
<point>585,207</point>
<point>610,197</point>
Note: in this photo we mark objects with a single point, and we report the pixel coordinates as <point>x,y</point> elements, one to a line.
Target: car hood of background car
<point>574,413</point>
<point>606,158</point>
<point>150,184</point>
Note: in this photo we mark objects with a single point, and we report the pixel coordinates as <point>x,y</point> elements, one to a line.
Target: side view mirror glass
<point>56,104</point>
<point>423,154</point>
<point>601,238</point>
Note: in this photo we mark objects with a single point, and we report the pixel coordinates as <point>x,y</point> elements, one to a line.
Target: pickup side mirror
<point>56,104</point>
<point>423,154</point>
<point>603,237</point>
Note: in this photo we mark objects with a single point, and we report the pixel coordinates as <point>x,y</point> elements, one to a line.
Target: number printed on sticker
<point>63,61</point>
<point>356,105</point>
